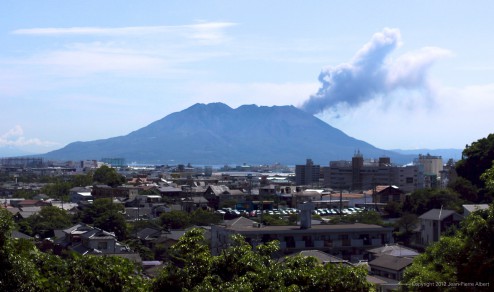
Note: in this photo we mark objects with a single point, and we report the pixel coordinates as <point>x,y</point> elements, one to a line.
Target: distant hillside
<point>446,154</point>
<point>217,134</point>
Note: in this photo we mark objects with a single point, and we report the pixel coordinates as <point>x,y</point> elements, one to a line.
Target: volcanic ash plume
<point>371,73</point>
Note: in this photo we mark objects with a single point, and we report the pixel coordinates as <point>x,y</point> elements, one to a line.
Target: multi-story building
<point>359,174</point>
<point>348,241</point>
<point>307,174</point>
<point>433,165</point>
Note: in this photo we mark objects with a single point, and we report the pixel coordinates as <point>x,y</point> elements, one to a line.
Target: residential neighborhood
<point>379,219</point>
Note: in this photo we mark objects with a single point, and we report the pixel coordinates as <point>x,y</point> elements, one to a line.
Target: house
<point>387,271</point>
<point>169,191</point>
<point>467,209</point>
<point>217,195</point>
<point>436,221</point>
<point>85,239</point>
<point>386,194</point>
<point>393,250</point>
<point>389,266</point>
<point>79,194</point>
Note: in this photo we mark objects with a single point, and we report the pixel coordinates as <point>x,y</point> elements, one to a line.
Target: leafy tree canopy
<point>43,223</point>
<point>241,268</point>
<point>424,200</point>
<point>106,215</point>
<point>108,176</point>
<point>180,219</point>
<point>24,268</point>
<point>467,256</point>
<point>476,159</point>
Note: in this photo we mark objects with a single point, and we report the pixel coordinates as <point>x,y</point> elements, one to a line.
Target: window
<point>102,245</point>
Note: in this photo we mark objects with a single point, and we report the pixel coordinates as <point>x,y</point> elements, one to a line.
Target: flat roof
<point>319,227</point>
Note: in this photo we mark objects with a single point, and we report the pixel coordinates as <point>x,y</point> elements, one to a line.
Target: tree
<point>243,268</point>
<point>175,219</point>
<point>17,273</point>
<point>47,220</point>
<point>59,190</point>
<point>467,256</point>
<point>465,188</point>
<point>367,217</point>
<point>106,215</point>
<point>24,268</point>
<point>200,217</point>
<point>476,159</point>
<point>406,224</point>
<point>108,176</point>
<point>393,209</point>
<point>421,201</point>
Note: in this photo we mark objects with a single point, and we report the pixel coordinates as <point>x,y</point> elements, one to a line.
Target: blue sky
<point>397,74</point>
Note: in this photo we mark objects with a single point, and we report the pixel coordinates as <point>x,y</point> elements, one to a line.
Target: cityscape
<point>353,213</point>
<point>246,146</point>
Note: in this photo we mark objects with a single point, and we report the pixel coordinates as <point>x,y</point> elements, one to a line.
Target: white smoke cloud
<point>372,73</point>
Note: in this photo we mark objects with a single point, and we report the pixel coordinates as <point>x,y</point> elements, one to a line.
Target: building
<point>469,208</point>
<point>78,194</point>
<point>395,250</point>
<point>114,161</point>
<point>391,267</point>
<point>348,241</point>
<point>308,174</point>
<point>433,165</point>
<point>386,194</point>
<point>360,174</point>
<point>436,221</point>
<point>85,239</point>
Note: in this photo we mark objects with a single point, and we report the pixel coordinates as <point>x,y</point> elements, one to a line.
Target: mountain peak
<point>215,133</point>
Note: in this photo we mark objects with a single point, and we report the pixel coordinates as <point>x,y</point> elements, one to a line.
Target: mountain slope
<point>217,134</point>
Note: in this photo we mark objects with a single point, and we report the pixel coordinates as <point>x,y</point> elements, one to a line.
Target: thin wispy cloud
<point>160,51</point>
<point>206,31</point>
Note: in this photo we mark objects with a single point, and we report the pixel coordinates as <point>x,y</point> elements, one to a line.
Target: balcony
<point>376,242</point>
<point>318,243</point>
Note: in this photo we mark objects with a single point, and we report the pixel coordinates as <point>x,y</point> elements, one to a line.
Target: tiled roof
<point>394,250</point>
<point>437,214</point>
<point>391,262</point>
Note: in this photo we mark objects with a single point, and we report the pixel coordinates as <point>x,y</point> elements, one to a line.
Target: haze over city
<point>396,75</point>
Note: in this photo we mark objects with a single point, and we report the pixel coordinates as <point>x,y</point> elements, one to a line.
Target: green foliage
<point>175,219</point>
<point>108,176</point>
<point>82,180</point>
<point>465,188</point>
<point>24,268</point>
<point>488,177</point>
<point>200,217</point>
<point>43,223</point>
<point>181,219</point>
<point>17,273</point>
<point>242,268</point>
<point>59,190</point>
<point>467,256</point>
<point>477,158</point>
<point>274,220</point>
<point>424,200</point>
<point>407,222</point>
<point>393,209</point>
<point>106,215</point>
<point>367,217</point>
